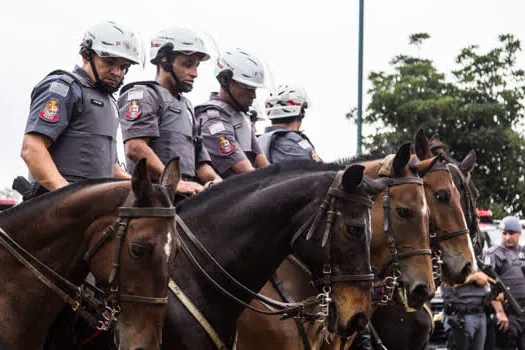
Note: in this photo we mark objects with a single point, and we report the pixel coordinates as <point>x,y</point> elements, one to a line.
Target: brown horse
<point>449,230</point>
<point>399,250</point>
<point>121,231</point>
<point>398,328</point>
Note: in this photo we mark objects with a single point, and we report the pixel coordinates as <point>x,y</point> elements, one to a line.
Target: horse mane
<point>364,157</point>
<point>260,177</point>
<point>44,200</point>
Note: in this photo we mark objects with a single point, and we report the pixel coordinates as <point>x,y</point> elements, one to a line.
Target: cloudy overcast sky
<point>312,43</point>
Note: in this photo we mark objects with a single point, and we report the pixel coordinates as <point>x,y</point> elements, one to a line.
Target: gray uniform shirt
<point>227,135</point>
<point>81,121</point>
<point>147,110</point>
<point>280,144</point>
<point>508,263</point>
<point>466,295</point>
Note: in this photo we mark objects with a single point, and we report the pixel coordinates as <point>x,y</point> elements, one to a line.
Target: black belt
<point>451,309</point>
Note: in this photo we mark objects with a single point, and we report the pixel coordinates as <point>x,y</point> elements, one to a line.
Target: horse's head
<point>461,173</point>
<point>448,227</point>
<point>400,236</point>
<point>341,270</point>
<point>132,262</point>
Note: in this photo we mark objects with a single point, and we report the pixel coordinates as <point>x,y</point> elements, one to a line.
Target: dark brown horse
<point>128,229</point>
<point>248,222</point>
<point>406,224</point>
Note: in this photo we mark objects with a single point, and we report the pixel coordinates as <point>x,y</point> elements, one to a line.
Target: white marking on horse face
<point>167,246</point>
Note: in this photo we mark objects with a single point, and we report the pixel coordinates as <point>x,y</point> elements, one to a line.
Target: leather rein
<point>109,308</point>
<point>287,310</point>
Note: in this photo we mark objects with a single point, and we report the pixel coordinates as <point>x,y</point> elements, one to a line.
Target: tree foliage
<point>480,107</point>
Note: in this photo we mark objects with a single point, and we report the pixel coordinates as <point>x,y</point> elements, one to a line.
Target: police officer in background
<point>226,128</point>
<point>508,260</point>
<point>282,141</point>
<point>465,308</point>
<point>71,130</point>
<point>158,122</point>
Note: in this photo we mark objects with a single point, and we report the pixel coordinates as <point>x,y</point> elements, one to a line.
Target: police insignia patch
<point>225,146</point>
<point>50,112</point>
<point>133,111</point>
<point>316,157</point>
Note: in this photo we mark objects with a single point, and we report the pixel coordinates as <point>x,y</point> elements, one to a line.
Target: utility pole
<point>360,79</point>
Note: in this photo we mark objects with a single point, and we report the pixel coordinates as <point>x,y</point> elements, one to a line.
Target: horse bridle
<point>389,283</point>
<point>109,308</point>
<point>287,310</point>
<point>435,240</point>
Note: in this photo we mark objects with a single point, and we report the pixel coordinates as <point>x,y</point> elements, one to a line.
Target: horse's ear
<point>401,159</point>
<point>422,145</point>
<point>171,176</point>
<point>352,178</point>
<point>141,183</point>
<point>468,163</point>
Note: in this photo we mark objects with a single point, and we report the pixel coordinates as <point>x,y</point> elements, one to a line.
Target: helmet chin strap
<point>236,103</point>
<point>181,86</point>
<point>99,84</point>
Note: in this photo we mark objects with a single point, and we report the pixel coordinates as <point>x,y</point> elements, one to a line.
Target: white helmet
<point>177,40</point>
<point>286,101</point>
<point>241,67</point>
<point>108,39</point>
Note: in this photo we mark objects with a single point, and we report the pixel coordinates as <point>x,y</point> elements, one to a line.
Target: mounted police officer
<point>508,260</point>
<point>72,125</point>
<point>158,122</point>
<point>226,128</point>
<point>465,310</point>
<point>282,141</point>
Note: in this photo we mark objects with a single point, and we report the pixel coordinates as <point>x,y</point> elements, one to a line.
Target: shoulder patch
<point>135,95</point>
<point>216,128</point>
<point>133,111</point>
<point>50,112</point>
<point>226,147</point>
<point>59,88</point>
<point>304,144</point>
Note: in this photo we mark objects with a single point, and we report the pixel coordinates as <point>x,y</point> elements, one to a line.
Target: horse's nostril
<point>466,270</point>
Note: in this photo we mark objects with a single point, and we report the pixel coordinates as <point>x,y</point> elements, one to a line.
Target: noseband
<point>110,308</point>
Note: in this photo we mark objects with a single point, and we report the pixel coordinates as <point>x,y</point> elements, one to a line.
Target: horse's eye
<point>405,213</point>
<point>442,196</point>
<point>353,229</point>
<point>138,250</point>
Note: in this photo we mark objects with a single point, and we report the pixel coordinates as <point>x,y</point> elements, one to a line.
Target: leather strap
<point>194,311</point>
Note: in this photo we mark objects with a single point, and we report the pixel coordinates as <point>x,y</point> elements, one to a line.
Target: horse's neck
<point>250,238</point>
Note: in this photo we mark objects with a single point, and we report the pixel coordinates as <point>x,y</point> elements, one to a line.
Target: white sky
<point>312,43</point>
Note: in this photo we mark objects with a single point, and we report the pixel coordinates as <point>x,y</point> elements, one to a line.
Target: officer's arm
<point>39,162</point>
<point>261,161</point>
<point>503,321</point>
<point>244,166</point>
<point>120,173</point>
<point>205,173</point>
<point>138,148</point>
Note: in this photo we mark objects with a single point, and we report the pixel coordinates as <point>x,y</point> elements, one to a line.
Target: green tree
<point>480,109</point>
